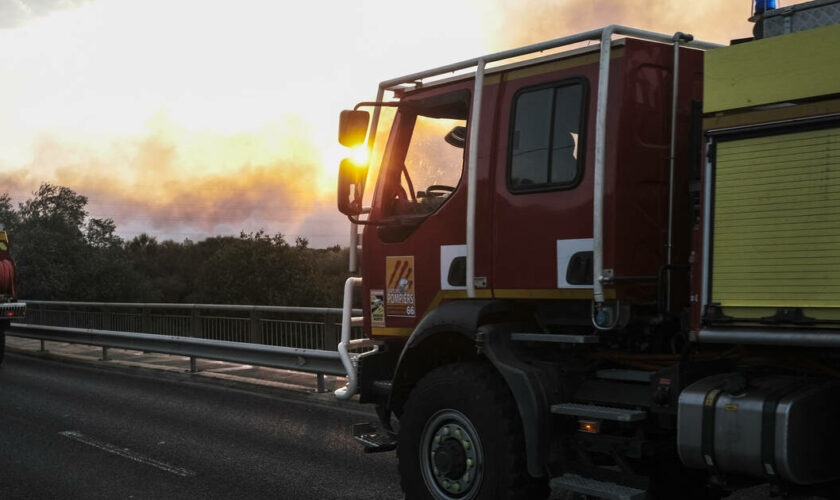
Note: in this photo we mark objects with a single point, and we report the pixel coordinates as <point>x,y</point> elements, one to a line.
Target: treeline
<point>63,254</point>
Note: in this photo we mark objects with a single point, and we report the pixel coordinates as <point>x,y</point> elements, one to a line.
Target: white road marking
<point>126,453</point>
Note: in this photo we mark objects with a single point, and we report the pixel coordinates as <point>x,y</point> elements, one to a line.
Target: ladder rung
<point>553,337</point>
<point>595,488</point>
<point>382,387</point>
<point>625,375</point>
<point>599,412</point>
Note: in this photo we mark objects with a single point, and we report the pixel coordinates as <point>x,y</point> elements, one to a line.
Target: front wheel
<point>461,438</point>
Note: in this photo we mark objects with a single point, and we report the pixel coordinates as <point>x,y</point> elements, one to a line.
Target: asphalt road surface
<point>72,430</point>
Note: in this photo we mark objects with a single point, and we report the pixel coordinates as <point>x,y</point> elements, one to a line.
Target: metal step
<point>374,439</point>
<point>625,375</point>
<point>595,488</point>
<point>599,412</point>
<point>381,387</point>
<point>553,337</point>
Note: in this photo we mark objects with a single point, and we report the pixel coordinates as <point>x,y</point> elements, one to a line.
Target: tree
<point>9,218</point>
<point>64,254</point>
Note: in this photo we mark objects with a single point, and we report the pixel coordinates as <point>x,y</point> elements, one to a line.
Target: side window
<point>433,165</point>
<point>546,141</point>
<point>427,163</point>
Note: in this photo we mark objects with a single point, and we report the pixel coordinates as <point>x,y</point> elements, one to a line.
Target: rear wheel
<point>461,438</point>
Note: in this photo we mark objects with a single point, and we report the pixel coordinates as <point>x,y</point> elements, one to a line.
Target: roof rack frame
<point>604,35</point>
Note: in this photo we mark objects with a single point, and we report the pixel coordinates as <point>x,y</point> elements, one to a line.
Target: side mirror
<point>352,127</point>
<point>350,178</point>
<point>457,137</point>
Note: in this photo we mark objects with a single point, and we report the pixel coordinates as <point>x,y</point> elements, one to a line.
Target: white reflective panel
<point>448,253</point>
<point>565,250</point>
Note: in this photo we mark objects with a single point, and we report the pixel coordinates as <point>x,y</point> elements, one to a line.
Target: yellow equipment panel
<point>773,70</point>
<point>776,221</point>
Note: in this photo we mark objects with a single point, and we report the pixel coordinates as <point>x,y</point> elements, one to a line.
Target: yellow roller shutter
<point>776,221</point>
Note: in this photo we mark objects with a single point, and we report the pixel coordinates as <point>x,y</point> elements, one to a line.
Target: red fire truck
<point>613,269</point>
<point>10,308</point>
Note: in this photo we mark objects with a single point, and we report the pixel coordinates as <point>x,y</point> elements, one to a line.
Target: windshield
<point>427,162</point>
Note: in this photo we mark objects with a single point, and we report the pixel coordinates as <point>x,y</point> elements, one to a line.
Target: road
<point>75,431</point>
<point>71,430</point>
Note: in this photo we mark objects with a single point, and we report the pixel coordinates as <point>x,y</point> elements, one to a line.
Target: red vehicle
<point>10,308</point>
<point>612,270</point>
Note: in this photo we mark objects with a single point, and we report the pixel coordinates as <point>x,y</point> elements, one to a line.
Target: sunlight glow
<point>360,155</point>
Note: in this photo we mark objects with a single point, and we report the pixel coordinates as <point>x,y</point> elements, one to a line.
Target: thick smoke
<point>149,186</point>
<point>512,24</point>
<point>18,12</point>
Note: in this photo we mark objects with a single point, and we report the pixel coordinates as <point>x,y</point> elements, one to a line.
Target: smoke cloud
<point>18,12</point>
<point>520,23</point>
<point>161,185</point>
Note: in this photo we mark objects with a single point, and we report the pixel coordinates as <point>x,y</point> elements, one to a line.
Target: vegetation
<point>63,254</point>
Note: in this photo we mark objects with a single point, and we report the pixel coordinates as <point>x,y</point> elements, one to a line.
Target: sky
<point>191,118</point>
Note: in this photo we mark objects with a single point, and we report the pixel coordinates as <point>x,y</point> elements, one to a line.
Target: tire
<point>2,346</point>
<point>466,415</point>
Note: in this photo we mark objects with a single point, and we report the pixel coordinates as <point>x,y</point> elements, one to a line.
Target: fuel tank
<point>770,427</point>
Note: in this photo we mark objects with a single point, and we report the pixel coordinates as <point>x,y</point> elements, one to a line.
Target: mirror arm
<point>356,220</point>
<point>403,221</point>
<point>373,104</point>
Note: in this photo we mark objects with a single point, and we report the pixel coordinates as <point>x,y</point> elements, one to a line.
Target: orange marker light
<point>589,426</point>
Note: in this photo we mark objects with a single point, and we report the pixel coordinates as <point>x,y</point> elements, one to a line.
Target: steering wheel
<point>436,190</point>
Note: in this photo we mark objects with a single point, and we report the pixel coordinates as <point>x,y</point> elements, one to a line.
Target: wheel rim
<point>451,456</point>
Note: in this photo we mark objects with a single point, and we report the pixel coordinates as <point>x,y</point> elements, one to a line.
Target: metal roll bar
<point>605,36</point>
<point>350,360</point>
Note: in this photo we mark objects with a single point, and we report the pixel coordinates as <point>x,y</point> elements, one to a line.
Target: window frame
<point>405,109</point>
<point>581,146</point>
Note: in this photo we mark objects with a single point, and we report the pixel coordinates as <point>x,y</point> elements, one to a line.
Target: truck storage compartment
<point>776,225</point>
<point>767,427</point>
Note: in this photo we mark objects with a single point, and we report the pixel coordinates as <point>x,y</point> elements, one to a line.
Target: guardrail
<point>299,327</point>
<point>294,338</point>
<point>289,358</point>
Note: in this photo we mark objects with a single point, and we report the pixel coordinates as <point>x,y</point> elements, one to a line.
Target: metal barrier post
<point>42,347</point>
<point>193,369</point>
<point>106,319</point>
<point>256,328</point>
<point>321,385</point>
<point>147,320</point>
<point>33,314</point>
<point>195,323</point>
<point>332,332</point>
<point>104,353</point>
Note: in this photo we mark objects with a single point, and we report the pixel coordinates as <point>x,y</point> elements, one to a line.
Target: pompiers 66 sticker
<point>377,308</point>
<point>399,273</point>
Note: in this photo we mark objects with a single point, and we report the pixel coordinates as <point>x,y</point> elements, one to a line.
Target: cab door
<point>419,207</point>
<point>543,187</point>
